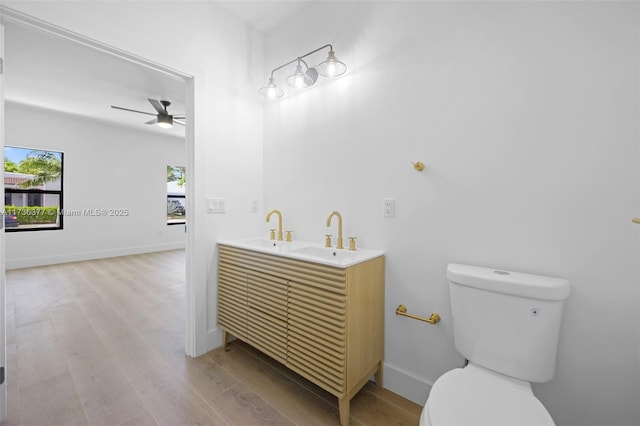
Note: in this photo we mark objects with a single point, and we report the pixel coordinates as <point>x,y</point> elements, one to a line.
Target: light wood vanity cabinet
<point>325,323</point>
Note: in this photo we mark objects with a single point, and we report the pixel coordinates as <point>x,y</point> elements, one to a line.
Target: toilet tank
<point>508,322</point>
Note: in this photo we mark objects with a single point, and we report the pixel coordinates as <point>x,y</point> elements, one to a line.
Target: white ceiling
<point>54,73</point>
<point>265,15</point>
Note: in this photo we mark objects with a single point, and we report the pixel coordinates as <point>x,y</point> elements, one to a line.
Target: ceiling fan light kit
<point>163,118</point>
<point>165,121</point>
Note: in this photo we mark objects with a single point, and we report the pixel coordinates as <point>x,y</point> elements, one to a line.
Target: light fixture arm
<point>317,50</point>
<point>299,58</point>
<point>302,60</point>
<point>282,66</point>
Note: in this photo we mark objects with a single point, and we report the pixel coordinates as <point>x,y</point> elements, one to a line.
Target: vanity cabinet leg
<point>343,405</point>
<point>225,338</point>
<point>378,376</point>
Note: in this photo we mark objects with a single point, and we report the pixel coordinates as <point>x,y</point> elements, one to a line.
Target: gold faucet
<point>279,222</point>
<point>335,213</point>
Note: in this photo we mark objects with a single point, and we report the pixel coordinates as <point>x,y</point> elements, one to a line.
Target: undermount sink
<point>311,252</point>
<point>263,243</point>
<point>330,254</point>
<point>266,245</point>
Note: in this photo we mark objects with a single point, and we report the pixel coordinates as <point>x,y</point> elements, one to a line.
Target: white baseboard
<point>213,341</point>
<point>406,384</point>
<point>89,255</point>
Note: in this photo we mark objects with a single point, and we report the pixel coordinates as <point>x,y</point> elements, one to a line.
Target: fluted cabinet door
<point>232,298</point>
<point>316,342</point>
<point>267,320</point>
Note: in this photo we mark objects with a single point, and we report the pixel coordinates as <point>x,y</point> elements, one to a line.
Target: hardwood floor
<point>102,343</point>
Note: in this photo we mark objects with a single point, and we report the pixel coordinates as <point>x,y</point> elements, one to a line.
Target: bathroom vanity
<point>318,311</point>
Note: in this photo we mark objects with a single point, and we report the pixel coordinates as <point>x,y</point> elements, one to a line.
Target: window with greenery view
<point>176,206</point>
<point>32,189</point>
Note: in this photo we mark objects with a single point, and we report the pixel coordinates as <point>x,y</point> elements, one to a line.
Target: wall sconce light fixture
<point>307,77</point>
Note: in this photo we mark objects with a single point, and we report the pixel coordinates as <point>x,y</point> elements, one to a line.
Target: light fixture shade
<point>165,121</point>
<point>299,79</point>
<point>331,67</point>
<point>271,90</point>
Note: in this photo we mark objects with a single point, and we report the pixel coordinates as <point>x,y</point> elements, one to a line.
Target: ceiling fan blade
<point>154,121</point>
<point>131,110</point>
<point>178,122</point>
<point>180,117</point>
<point>158,107</point>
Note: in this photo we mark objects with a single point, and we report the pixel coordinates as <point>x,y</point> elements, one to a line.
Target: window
<point>176,179</point>
<point>32,189</point>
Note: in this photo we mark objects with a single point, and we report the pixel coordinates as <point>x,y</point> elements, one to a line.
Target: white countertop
<point>308,251</point>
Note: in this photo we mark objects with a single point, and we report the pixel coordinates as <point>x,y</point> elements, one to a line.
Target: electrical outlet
<point>215,205</point>
<point>389,207</point>
<point>254,206</point>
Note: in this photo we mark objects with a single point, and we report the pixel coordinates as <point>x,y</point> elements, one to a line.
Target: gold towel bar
<point>635,220</point>
<point>433,319</point>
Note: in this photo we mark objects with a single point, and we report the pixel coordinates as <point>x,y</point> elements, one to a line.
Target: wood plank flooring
<point>102,343</point>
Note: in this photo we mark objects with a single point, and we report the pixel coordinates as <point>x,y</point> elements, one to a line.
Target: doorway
<point>155,73</point>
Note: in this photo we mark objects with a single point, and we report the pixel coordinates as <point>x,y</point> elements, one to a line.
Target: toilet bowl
<point>476,396</point>
<point>507,325</point>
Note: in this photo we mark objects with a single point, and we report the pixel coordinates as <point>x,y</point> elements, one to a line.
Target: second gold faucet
<point>339,244</point>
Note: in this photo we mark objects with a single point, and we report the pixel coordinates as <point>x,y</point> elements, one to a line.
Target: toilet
<point>507,325</point>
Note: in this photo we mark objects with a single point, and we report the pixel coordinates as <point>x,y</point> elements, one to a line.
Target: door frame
<point>196,341</point>
<point>3,282</point>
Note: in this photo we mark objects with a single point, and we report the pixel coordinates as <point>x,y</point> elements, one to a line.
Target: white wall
<point>105,167</point>
<point>526,116</point>
<point>225,59</point>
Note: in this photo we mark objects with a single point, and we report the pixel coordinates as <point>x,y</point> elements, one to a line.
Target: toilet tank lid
<point>508,282</point>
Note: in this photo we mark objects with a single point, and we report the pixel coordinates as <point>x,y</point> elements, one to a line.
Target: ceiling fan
<point>163,118</point>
